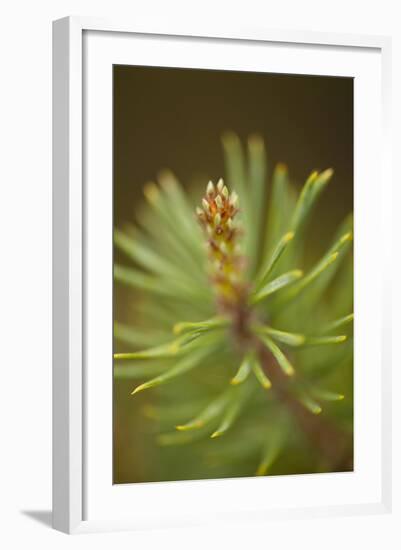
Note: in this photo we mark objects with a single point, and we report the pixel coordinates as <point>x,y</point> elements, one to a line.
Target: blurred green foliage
<point>301,315</point>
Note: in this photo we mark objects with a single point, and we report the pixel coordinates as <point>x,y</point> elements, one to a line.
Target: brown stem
<point>323,434</point>
<point>333,443</point>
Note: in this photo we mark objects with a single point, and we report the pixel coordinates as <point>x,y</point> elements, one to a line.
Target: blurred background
<point>174,118</point>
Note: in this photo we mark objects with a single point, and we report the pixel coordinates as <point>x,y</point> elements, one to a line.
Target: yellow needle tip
<point>177,328</point>
<point>346,237</point>
<point>192,426</point>
<point>151,192</point>
<point>138,389</point>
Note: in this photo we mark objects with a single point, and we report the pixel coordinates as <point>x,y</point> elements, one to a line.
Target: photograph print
<point>232,274</point>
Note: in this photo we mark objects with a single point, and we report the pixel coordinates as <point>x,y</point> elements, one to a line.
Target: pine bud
<point>225,260</point>
<point>219,202</point>
<point>234,199</point>
<point>206,206</point>
<point>210,189</point>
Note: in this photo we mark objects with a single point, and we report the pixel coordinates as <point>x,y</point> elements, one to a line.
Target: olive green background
<point>174,118</point>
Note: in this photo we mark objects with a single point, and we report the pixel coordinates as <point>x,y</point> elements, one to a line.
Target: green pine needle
<point>219,267</point>
<point>279,283</point>
<point>281,359</point>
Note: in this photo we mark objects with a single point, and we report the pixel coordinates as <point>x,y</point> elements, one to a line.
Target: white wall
<point>25,217</point>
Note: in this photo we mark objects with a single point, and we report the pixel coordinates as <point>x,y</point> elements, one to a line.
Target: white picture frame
<point>75,479</point>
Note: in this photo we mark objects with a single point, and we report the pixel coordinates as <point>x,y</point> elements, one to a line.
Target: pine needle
<point>277,284</point>
<point>330,257</point>
<point>233,411</point>
<point>187,363</point>
<point>260,375</point>
<point>309,194</point>
<point>324,340</point>
<point>276,255</point>
<point>289,338</point>
<point>281,359</point>
<point>338,323</point>
<point>310,404</point>
<point>257,172</point>
<point>201,326</point>
<point>325,395</point>
<point>214,409</point>
<point>243,371</point>
<point>271,451</point>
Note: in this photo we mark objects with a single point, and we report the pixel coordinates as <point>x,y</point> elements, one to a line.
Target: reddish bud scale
<point>226,264</point>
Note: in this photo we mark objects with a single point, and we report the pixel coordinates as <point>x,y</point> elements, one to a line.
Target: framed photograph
<point>219,261</point>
